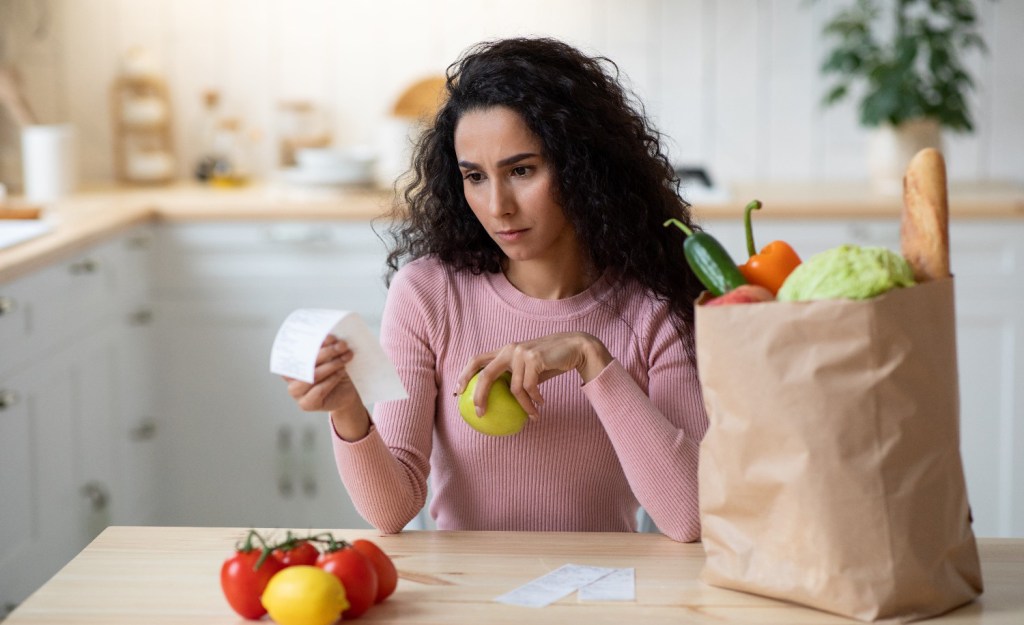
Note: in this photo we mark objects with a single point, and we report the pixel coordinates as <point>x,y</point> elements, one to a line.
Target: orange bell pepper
<point>773,264</point>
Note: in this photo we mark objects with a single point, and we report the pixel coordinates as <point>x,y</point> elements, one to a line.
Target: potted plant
<point>907,55</point>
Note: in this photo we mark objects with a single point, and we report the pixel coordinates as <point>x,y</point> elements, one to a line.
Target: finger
<point>324,369</point>
<point>317,394</point>
<point>331,350</point>
<point>484,381</point>
<point>516,385</point>
<point>332,366</point>
<point>531,387</point>
<point>473,365</point>
<point>298,388</point>
<point>315,398</point>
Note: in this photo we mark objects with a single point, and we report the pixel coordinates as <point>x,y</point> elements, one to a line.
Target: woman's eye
<point>521,170</point>
<point>473,176</point>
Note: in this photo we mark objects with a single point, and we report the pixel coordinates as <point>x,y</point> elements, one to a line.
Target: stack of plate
<point>331,166</point>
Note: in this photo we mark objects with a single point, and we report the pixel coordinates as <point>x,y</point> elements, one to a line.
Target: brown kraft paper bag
<point>830,475</point>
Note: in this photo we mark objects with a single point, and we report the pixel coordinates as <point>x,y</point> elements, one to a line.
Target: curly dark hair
<point>614,183</point>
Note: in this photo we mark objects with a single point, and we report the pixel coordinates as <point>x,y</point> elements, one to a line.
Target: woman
<point>531,242</point>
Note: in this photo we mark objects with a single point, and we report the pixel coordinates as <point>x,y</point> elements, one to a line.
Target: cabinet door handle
<point>7,399</point>
<point>97,494</point>
<point>309,461</point>
<point>139,241</point>
<point>7,304</point>
<point>140,317</point>
<point>285,484</point>
<point>144,431</point>
<point>83,267</point>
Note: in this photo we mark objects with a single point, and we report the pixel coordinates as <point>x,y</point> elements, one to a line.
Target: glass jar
<point>300,125</point>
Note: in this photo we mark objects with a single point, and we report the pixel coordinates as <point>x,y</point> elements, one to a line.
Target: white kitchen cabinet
<point>987,258</point>
<point>138,426</point>
<point>988,261</point>
<point>237,450</point>
<point>132,356</point>
<point>40,526</point>
<point>63,413</point>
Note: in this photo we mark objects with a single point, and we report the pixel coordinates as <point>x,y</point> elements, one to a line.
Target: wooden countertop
<point>132,575</point>
<point>95,214</point>
<point>853,200</point>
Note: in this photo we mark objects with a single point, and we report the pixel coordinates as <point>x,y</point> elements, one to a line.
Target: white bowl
<point>331,166</point>
<point>347,162</point>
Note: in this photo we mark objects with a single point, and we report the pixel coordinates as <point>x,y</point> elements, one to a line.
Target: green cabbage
<point>847,271</point>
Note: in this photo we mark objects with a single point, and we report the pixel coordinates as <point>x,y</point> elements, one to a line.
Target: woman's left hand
<point>532,362</point>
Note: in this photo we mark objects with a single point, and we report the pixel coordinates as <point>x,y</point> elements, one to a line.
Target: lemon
<point>304,595</point>
<point>503,416</point>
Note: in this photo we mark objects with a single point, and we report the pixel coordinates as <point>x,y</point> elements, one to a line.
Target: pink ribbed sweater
<point>630,437</point>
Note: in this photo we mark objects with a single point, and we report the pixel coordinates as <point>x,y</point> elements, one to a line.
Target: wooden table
<point>165,576</point>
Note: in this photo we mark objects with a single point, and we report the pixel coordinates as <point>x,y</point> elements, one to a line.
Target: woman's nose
<point>502,201</point>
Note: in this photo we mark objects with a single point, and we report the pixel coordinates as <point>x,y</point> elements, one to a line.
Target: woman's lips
<point>511,235</point>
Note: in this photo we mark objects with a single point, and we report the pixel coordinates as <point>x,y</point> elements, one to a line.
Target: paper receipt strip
<point>298,341</point>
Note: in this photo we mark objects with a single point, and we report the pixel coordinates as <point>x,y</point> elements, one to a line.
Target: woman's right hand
<point>332,391</point>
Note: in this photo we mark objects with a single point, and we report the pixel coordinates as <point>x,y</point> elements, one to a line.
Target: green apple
<point>503,417</point>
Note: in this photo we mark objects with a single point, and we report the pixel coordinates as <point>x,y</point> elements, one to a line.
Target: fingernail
<point>479,411</point>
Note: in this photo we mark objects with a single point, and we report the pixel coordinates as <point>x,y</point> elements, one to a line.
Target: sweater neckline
<point>568,307</point>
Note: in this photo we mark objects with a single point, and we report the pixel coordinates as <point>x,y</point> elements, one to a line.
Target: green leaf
<point>843,61</point>
<point>973,40</point>
<point>835,94</point>
<point>906,53</point>
<point>916,70</point>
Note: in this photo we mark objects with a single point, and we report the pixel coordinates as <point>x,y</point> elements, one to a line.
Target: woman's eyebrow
<point>510,160</point>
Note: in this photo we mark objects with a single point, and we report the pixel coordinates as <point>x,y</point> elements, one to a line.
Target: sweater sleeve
<point>656,434</point>
<point>386,472</point>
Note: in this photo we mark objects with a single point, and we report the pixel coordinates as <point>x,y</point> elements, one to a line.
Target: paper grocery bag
<point>830,475</point>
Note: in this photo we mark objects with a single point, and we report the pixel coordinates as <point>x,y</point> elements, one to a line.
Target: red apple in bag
<point>743,294</point>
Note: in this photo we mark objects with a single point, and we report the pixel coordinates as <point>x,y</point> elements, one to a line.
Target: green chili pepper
<point>710,262</point>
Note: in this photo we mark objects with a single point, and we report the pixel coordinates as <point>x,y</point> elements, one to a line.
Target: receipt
<point>549,588</point>
<point>299,339</point>
<point>619,585</point>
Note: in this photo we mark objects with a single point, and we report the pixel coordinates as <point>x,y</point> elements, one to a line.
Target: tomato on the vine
<point>357,575</point>
<point>297,551</point>
<point>387,575</point>
<point>245,575</point>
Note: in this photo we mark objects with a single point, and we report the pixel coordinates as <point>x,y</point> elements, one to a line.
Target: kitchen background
<point>135,363</point>
<point>734,84</point>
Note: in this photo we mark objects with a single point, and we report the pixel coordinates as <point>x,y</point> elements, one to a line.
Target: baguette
<point>924,222</point>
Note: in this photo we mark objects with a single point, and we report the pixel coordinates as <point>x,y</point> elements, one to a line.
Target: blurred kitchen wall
<point>733,84</point>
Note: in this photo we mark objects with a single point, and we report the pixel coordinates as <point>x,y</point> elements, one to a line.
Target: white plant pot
<point>890,149</point>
